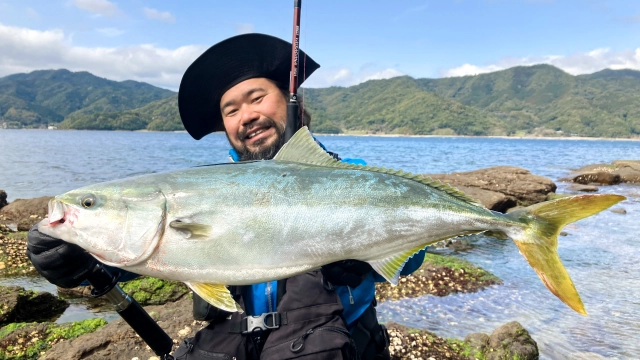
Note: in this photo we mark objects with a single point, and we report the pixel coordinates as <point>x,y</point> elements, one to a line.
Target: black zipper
<point>297,345</point>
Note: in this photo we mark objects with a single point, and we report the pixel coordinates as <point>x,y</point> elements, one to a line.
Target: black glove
<point>61,263</point>
<point>346,272</point>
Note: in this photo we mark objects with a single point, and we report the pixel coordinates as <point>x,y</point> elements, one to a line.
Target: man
<point>239,86</point>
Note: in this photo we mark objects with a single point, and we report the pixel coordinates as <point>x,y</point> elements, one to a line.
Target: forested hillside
<point>524,100</point>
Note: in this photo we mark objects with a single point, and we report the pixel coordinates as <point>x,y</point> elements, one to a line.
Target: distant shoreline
<point>395,135</point>
<point>490,137</point>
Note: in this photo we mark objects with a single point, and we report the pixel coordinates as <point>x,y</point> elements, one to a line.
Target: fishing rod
<point>293,107</point>
<point>106,284</point>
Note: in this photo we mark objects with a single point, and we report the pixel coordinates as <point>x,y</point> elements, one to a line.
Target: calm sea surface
<point>602,253</point>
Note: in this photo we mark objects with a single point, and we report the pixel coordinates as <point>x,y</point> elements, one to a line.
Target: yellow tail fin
<point>539,242</point>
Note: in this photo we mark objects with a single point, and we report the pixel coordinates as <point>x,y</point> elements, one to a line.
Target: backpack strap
<point>371,338</point>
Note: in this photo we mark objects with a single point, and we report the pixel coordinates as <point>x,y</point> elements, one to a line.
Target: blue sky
<point>154,41</point>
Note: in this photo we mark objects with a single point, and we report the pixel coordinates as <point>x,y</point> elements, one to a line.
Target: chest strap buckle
<point>266,321</point>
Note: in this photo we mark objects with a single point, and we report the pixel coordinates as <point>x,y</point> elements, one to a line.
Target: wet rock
<point>20,305</point>
<point>478,343</point>
<point>80,291</point>
<point>13,256</point>
<point>405,343</point>
<point>583,188</point>
<point>493,200</point>
<point>619,211</point>
<point>632,164</point>
<point>626,171</point>
<point>3,199</point>
<point>628,175</point>
<point>25,212</point>
<point>511,341</point>
<point>152,291</point>
<point>563,233</point>
<point>146,290</point>
<point>118,338</point>
<point>440,276</point>
<point>421,344</point>
<point>600,177</point>
<point>517,186</point>
<point>30,340</point>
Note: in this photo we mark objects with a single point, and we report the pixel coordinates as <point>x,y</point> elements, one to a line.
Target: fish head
<point>119,226</point>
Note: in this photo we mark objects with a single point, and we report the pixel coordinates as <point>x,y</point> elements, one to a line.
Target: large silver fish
<point>250,222</point>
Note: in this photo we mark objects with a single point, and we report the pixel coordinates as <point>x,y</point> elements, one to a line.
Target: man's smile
<point>258,135</point>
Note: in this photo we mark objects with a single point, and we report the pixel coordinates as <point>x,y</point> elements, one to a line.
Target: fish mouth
<point>57,212</point>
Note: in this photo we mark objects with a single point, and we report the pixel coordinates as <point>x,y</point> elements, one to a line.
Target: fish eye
<point>88,201</point>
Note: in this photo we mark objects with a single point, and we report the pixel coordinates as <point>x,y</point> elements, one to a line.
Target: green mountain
<point>544,99</point>
<point>160,115</point>
<point>395,106</point>
<point>48,96</point>
<point>524,100</point>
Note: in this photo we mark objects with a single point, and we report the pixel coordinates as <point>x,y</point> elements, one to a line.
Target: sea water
<point>602,253</point>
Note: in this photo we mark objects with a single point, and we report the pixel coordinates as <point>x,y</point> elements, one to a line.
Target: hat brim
<point>226,64</point>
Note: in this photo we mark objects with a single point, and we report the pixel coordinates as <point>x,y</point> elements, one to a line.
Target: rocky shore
<point>25,336</point>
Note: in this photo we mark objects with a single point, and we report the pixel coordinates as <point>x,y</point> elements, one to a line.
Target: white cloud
<point>111,32</point>
<point>346,77</point>
<point>244,28</point>
<point>98,7</point>
<point>25,50</point>
<point>575,64</point>
<point>163,16</point>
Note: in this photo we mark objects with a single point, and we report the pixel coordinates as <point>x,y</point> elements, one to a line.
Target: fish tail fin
<point>538,243</point>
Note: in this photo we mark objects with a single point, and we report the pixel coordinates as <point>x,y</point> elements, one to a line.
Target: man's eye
<point>232,112</point>
<point>258,99</point>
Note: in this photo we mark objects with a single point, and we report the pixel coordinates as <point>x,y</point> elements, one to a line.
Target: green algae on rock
<point>152,291</point>
<point>26,341</point>
<point>440,276</point>
<point>509,341</point>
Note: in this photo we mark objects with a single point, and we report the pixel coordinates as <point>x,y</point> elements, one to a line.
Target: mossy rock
<point>26,341</point>
<point>20,305</point>
<point>152,291</point>
<point>440,276</point>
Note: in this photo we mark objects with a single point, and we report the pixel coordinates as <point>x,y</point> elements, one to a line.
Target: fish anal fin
<point>390,267</point>
<point>217,295</point>
<point>195,229</point>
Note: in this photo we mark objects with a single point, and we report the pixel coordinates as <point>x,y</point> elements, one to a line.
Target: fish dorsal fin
<point>217,295</point>
<point>302,148</point>
<point>390,267</point>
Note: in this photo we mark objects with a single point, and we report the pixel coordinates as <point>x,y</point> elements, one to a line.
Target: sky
<point>354,41</point>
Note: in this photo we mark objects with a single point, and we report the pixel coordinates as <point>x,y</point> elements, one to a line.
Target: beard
<point>261,151</point>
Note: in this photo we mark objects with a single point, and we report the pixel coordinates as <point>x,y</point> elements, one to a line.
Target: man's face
<point>254,113</point>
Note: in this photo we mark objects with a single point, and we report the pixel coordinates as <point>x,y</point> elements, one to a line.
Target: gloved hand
<point>346,272</point>
<point>61,263</point>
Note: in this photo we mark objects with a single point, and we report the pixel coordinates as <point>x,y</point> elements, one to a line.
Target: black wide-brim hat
<point>227,64</point>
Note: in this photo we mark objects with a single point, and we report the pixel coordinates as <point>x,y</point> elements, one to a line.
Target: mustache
<point>267,122</point>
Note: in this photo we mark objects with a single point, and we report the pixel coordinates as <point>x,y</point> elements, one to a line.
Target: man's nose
<point>248,116</point>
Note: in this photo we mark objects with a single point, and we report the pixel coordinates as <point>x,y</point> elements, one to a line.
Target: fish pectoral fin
<point>217,295</point>
<point>390,267</point>
<point>195,229</point>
